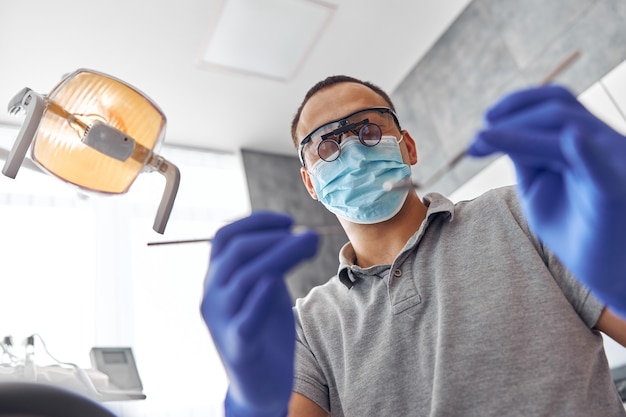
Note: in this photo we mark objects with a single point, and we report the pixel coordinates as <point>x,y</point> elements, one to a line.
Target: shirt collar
<point>435,203</point>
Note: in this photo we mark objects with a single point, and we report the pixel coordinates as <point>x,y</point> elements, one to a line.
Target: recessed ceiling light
<point>269,38</point>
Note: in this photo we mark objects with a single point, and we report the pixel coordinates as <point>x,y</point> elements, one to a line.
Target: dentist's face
<point>336,101</point>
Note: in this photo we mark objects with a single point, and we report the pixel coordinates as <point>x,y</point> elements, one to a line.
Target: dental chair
<point>27,399</point>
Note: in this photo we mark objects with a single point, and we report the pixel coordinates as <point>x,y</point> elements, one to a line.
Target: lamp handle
<point>34,106</point>
<point>172,181</point>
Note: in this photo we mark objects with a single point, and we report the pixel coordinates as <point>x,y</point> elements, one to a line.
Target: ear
<point>306,179</point>
<point>410,147</point>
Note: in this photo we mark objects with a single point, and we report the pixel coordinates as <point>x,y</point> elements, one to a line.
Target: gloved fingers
<point>597,160</point>
<point>247,260</point>
<point>221,301</point>
<point>244,330</point>
<point>241,248</point>
<point>276,260</point>
<point>257,221</point>
<point>538,149</point>
<point>530,97</point>
<point>531,127</point>
<point>254,315</point>
<point>542,192</point>
<point>550,116</point>
<point>287,253</point>
<point>482,145</point>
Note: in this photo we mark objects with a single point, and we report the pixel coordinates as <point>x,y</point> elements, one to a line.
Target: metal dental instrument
<point>388,186</point>
<point>321,230</point>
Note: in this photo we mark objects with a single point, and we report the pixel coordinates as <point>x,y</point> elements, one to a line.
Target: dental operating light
<point>95,132</point>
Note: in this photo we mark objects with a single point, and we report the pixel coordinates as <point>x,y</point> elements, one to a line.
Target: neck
<point>380,243</point>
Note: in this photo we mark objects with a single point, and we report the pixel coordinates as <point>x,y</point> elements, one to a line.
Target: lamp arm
<point>34,106</point>
<point>172,181</point>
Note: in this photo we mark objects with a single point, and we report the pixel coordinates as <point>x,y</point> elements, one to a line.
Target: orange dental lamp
<point>95,132</point>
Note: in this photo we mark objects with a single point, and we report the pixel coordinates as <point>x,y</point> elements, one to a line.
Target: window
<point>78,272</point>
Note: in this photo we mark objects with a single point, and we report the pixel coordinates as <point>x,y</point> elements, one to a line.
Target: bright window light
<point>78,272</point>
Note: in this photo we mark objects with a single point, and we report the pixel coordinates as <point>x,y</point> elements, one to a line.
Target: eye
<point>370,134</point>
<point>328,150</point>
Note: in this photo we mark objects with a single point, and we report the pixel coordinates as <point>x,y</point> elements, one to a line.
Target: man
<point>437,309</point>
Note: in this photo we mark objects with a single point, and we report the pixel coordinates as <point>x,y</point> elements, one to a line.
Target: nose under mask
<point>351,186</point>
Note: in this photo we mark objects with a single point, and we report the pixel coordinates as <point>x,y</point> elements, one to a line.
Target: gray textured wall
<point>274,183</point>
<point>495,46</point>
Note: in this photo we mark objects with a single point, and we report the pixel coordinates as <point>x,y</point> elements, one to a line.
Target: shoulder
<point>502,201</point>
<point>317,314</point>
<point>318,299</point>
<point>496,196</point>
<point>495,212</point>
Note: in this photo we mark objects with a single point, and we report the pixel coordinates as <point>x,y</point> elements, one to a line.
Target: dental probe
<point>321,230</point>
<point>402,185</point>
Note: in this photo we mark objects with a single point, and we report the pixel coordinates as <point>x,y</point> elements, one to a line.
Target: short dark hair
<point>327,82</point>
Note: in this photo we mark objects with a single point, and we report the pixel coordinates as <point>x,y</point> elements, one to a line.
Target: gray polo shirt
<point>474,318</point>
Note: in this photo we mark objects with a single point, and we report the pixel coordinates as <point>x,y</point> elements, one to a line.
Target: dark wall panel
<point>274,183</point>
<point>493,47</point>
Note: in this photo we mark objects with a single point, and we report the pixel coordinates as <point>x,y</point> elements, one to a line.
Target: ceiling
<point>155,46</point>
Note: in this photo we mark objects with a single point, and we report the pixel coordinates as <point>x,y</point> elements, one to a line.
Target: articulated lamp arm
<point>34,105</point>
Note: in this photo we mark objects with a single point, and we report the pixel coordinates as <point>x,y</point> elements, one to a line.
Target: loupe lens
<point>328,150</point>
<point>370,134</point>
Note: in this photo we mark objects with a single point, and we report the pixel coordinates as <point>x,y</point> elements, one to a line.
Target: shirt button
<point>397,273</point>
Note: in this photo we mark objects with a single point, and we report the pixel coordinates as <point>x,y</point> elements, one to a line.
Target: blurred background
<point>229,75</point>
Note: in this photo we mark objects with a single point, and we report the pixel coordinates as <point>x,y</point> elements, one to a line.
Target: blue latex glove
<point>248,310</point>
<point>571,171</point>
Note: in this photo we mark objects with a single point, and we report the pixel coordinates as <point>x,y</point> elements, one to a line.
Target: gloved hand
<point>571,171</point>
<point>248,310</point>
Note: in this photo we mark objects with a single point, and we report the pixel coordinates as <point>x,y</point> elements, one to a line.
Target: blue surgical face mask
<point>352,185</point>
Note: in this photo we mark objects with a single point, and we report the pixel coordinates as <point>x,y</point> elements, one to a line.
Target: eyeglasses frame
<point>344,127</point>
